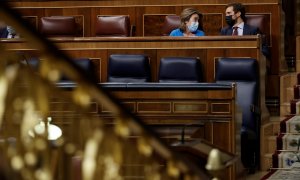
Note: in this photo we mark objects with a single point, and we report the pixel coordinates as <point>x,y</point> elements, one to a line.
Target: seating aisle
<point>286,157</point>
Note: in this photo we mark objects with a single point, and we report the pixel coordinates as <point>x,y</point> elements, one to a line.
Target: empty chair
<point>171,22</point>
<point>113,26</point>
<point>33,63</point>
<point>260,21</point>
<point>126,68</point>
<point>180,69</point>
<point>244,72</point>
<point>58,26</point>
<point>257,20</point>
<point>85,64</point>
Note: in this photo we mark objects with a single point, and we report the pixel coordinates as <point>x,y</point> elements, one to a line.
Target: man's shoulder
<point>250,28</point>
<point>3,33</point>
<point>224,30</point>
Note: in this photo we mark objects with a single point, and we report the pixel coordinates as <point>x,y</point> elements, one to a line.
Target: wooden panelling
<point>153,24</point>
<point>131,107</point>
<point>120,3</point>
<point>297,17</point>
<point>153,107</point>
<point>212,23</point>
<point>207,48</point>
<point>66,107</point>
<point>79,21</point>
<point>298,54</point>
<point>190,107</point>
<point>146,16</point>
<point>177,106</point>
<point>33,20</point>
<point>224,129</point>
<point>217,108</point>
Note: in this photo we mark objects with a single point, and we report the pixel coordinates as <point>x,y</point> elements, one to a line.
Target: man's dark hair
<point>238,7</point>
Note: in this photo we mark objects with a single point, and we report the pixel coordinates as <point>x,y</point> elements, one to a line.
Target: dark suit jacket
<point>3,33</point>
<point>248,30</point>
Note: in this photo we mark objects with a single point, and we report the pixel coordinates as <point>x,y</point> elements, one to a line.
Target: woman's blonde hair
<point>186,15</point>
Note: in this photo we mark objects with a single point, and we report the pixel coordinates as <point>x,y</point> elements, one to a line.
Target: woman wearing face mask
<point>189,25</point>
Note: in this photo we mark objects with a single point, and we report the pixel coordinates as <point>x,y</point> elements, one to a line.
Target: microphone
<point>182,137</point>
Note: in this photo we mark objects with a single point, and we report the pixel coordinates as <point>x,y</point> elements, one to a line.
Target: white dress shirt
<point>240,29</point>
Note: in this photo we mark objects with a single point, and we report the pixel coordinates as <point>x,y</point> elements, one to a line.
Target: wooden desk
<point>147,16</point>
<point>207,104</point>
<point>207,48</point>
<point>209,108</point>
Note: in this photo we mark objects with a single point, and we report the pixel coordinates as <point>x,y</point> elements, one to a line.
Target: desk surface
<point>204,42</point>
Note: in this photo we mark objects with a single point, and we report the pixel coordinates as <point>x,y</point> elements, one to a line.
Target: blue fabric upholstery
<point>128,68</point>
<point>180,69</point>
<point>83,63</point>
<point>86,65</point>
<point>244,72</point>
<point>33,63</point>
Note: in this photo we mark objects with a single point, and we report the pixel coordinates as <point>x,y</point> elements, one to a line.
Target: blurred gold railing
<point>32,147</point>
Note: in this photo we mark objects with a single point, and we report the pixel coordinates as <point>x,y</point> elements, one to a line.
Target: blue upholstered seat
<point>84,63</point>
<point>180,69</point>
<point>126,68</point>
<point>244,72</point>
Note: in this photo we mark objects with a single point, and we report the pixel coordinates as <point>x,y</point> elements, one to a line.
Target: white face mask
<point>193,27</point>
<point>11,30</point>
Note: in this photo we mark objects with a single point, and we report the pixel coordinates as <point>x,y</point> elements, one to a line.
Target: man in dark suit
<point>235,18</point>
<point>246,30</point>
<point>8,32</point>
<point>3,32</point>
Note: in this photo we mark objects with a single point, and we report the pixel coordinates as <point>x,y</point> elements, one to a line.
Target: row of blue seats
<point>133,71</point>
<point>136,68</point>
<point>126,68</point>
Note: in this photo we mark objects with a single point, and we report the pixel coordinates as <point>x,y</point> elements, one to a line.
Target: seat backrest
<point>113,26</point>
<point>58,26</point>
<point>244,72</point>
<point>257,20</point>
<point>84,63</point>
<point>171,22</point>
<point>128,68</point>
<point>180,69</point>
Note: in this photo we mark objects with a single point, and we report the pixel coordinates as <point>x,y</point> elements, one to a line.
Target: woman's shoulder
<point>200,33</point>
<point>176,32</point>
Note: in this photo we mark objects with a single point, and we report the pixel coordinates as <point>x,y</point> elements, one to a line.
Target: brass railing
<point>32,147</point>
